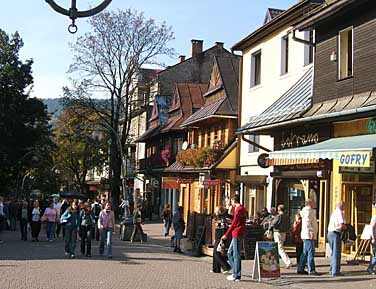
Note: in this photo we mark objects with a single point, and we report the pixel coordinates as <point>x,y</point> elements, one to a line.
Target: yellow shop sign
<point>354,159</point>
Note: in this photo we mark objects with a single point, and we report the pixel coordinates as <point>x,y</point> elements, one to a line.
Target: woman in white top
<point>35,221</point>
<point>372,263</point>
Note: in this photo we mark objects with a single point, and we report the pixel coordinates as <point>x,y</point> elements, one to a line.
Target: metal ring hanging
<point>73,13</point>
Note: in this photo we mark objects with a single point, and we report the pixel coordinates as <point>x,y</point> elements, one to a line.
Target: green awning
<point>351,150</point>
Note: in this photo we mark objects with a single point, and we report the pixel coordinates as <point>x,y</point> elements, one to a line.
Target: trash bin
<point>126,228</point>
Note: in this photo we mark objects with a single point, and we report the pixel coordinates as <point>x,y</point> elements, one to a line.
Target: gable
<point>215,77</point>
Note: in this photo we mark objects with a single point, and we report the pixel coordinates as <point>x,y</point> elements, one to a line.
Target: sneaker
<point>231,278</point>
<point>339,274</point>
<point>72,256</point>
<point>66,254</point>
<point>314,273</point>
<point>51,241</point>
<point>175,249</point>
<point>226,272</point>
<point>109,257</point>
<point>237,280</point>
<point>371,272</point>
<point>302,272</point>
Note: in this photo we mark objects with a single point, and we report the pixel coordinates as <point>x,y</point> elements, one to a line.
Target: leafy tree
<point>24,122</point>
<point>75,153</point>
<point>107,61</point>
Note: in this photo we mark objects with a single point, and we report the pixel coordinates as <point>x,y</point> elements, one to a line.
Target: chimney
<point>196,48</point>
<point>219,44</point>
<point>181,58</point>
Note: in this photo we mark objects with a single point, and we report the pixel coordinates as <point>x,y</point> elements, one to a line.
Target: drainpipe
<point>302,40</point>
<point>255,144</point>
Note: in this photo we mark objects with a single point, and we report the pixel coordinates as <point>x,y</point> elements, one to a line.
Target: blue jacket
<point>70,219</point>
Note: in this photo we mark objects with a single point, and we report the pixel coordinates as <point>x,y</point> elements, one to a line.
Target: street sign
<point>212,182</point>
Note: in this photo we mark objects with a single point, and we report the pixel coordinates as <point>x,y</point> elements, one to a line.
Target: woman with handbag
<point>137,223</point>
<point>219,255</point>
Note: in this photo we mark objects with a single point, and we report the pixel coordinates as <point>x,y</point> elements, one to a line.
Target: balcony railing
<point>155,162</point>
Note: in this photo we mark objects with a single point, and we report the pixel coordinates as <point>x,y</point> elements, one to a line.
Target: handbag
<point>43,219</point>
<point>268,235</point>
<point>221,247</point>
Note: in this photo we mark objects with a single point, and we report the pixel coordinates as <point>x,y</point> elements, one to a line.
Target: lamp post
<point>97,136</point>
<point>73,12</point>
<point>34,159</point>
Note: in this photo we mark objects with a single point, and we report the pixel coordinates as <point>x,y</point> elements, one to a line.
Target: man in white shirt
<point>308,235</point>
<point>372,262</point>
<point>336,227</point>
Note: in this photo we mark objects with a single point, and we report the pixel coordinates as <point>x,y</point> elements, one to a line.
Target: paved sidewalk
<point>149,265</point>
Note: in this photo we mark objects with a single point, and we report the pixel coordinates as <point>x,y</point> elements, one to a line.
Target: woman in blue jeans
<point>106,225</point>
<point>70,219</point>
<point>372,263</point>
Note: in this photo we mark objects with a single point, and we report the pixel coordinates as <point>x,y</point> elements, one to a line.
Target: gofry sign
<point>355,159</point>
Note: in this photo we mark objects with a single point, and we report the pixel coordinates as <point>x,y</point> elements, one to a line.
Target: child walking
<point>86,225</point>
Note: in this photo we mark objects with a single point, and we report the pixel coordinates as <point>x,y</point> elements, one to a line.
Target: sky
<point>46,39</point>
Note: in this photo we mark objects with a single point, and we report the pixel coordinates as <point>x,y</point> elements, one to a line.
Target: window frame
<point>285,54</point>
<point>252,148</point>
<point>309,52</point>
<point>255,81</point>
<point>340,77</point>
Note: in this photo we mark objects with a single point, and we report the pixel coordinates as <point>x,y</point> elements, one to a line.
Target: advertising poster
<point>266,262</point>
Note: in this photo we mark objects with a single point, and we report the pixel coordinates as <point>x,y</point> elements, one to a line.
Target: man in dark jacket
<point>237,229</point>
<point>281,225</point>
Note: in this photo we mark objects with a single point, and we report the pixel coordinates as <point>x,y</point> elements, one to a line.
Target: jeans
<point>23,228</point>
<point>308,256</point>
<point>166,226</point>
<point>372,263</point>
<point>106,237</point>
<point>51,227</point>
<point>280,238</point>
<point>70,238</point>
<point>335,244</point>
<point>235,257</point>
<point>86,235</point>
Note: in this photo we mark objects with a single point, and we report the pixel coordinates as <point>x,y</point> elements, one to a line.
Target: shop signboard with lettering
<point>355,159</point>
<point>266,264</point>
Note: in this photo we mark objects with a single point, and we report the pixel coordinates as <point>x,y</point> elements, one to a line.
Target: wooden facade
<point>327,84</point>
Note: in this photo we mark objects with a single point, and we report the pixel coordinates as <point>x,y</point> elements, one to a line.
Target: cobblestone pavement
<point>149,265</point>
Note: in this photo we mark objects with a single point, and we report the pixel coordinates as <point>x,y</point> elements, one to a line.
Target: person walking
<point>2,217</point>
<point>309,236</point>
<point>296,234</point>
<point>372,262</point>
<point>57,207</point>
<point>237,230</point>
<point>179,227</point>
<point>52,217</point>
<point>70,219</point>
<point>219,260</point>
<point>23,216</point>
<point>35,221</point>
<point>106,225</point>
<point>96,209</point>
<point>86,224</point>
<point>280,225</point>
<point>137,223</point>
<point>336,227</point>
<point>167,219</point>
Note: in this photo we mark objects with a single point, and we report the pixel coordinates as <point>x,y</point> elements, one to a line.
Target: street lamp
<point>97,136</point>
<point>34,160</point>
<point>73,12</point>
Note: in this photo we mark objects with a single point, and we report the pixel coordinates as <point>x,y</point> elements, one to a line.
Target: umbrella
<point>73,195</point>
<point>55,196</point>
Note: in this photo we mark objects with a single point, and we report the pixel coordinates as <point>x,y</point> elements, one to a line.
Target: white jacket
<point>309,223</point>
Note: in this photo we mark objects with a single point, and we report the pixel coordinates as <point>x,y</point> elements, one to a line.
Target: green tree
<point>107,61</point>
<point>75,155</point>
<point>24,122</point>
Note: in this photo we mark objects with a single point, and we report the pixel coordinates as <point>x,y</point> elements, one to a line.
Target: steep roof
<point>284,18</point>
<point>228,68</point>
<point>272,13</point>
<point>188,97</point>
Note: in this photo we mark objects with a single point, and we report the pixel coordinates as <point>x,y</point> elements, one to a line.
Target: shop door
<point>323,212</point>
<point>358,208</point>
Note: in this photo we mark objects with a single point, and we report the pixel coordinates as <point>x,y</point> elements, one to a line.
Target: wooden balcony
<point>154,162</point>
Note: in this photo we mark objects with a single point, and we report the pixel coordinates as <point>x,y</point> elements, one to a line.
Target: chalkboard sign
<point>266,264</point>
<point>199,238</point>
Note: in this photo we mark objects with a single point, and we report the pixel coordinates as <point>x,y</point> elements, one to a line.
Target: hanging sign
<point>266,263</point>
<point>185,181</point>
<point>355,159</point>
<point>212,182</point>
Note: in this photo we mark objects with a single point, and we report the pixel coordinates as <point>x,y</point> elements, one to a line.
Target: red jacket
<point>237,227</point>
